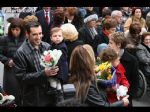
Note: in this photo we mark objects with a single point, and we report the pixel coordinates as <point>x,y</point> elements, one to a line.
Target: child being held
<point>108,54</point>
<point>59,44</point>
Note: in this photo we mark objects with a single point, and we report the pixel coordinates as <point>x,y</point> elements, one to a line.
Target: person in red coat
<point>108,54</point>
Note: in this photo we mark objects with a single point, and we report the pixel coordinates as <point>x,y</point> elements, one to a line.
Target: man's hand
<point>10,63</point>
<point>51,71</point>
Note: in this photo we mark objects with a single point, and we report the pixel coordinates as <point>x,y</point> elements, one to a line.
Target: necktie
<point>46,18</point>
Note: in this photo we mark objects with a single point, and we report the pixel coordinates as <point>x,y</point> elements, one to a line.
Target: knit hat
<point>101,47</point>
<point>90,16</point>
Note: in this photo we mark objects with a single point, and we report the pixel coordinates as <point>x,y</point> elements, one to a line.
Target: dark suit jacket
<point>45,28</point>
<point>102,37</point>
<point>130,64</point>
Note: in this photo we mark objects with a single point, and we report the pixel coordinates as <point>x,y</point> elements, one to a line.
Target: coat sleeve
<point>95,98</point>
<point>142,57</point>
<point>3,51</point>
<point>82,35</point>
<point>22,74</point>
<point>134,76</point>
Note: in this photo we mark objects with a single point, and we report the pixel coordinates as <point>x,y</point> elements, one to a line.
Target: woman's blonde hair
<point>82,70</point>
<point>70,33</point>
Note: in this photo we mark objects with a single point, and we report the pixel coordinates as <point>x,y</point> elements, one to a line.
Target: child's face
<point>57,37</point>
<point>115,62</point>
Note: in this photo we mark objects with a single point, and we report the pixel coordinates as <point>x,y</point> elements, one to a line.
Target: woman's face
<point>147,40</point>
<point>16,31</point>
<point>113,45</point>
<point>92,23</point>
<point>112,30</point>
<point>138,13</point>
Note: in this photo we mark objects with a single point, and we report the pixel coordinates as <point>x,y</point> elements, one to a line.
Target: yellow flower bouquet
<point>106,74</point>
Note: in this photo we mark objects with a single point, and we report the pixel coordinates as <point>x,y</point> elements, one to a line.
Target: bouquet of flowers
<point>50,58</point>
<point>121,91</point>
<point>106,74</point>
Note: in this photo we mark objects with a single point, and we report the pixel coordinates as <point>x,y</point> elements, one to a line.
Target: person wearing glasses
<point>143,55</point>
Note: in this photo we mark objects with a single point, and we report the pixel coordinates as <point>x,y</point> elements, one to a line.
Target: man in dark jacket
<point>30,74</point>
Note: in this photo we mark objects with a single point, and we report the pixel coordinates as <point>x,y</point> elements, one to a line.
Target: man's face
<point>35,36</point>
<point>119,18</point>
<point>46,9</point>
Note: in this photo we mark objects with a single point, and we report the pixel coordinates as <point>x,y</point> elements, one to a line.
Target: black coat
<point>34,83</point>
<point>8,48</point>
<point>77,22</point>
<point>62,63</point>
<point>130,64</point>
<point>45,28</point>
<point>102,38</point>
<point>71,46</point>
<point>86,37</point>
<point>97,97</point>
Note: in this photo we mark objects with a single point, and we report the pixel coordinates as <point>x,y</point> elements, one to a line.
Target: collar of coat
<point>28,50</point>
<point>127,56</point>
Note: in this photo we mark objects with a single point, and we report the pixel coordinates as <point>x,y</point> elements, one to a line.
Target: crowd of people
<point>118,35</point>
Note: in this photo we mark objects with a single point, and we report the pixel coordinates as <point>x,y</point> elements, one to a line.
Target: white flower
<point>54,54</point>
<point>121,91</point>
<point>45,53</point>
<point>7,97</point>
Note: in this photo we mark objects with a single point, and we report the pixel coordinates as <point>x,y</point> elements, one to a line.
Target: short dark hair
<point>135,28</point>
<point>109,23</point>
<point>31,24</point>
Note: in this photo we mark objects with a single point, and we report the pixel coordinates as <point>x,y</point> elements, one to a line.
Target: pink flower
<point>47,58</point>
